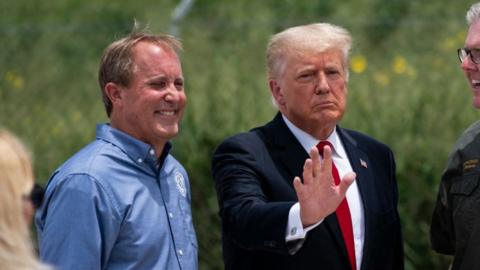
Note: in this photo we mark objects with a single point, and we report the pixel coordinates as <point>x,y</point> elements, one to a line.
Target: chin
<point>168,133</point>
<point>330,118</point>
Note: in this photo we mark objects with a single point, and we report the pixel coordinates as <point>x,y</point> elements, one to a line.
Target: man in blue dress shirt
<point>123,202</point>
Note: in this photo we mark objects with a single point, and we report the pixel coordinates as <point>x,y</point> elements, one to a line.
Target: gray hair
<point>473,14</point>
<point>297,40</point>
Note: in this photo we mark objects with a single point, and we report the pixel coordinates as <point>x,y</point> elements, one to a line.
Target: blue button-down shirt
<point>113,206</point>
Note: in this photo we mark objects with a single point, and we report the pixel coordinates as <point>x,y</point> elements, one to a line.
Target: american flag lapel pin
<point>363,163</point>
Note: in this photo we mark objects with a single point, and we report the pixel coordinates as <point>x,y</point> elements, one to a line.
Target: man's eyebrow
<point>333,65</point>
<point>157,77</point>
<point>306,68</point>
<point>163,76</point>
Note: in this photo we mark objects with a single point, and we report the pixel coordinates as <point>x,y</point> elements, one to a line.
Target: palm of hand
<point>318,195</point>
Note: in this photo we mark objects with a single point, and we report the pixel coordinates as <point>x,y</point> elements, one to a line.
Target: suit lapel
<point>286,148</point>
<point>359,162</point>
<point>360,165</point>
<point>331,220</point>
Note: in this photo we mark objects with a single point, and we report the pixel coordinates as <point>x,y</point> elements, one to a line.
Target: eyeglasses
<point>474,55</point>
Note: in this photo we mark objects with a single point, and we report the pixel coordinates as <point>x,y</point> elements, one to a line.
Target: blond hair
<point>16,182</point>
<point>317,37</point>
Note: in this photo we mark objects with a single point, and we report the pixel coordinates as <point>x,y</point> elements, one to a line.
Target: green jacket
<point>455,228</point>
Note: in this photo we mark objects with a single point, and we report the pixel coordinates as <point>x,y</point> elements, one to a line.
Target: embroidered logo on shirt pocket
<point>180,182</point>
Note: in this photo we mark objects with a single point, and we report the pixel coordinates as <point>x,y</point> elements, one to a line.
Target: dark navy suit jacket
<point>254,174</point>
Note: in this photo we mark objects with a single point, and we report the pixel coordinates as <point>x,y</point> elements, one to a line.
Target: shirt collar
<point>308,141</point>
<point>134,148</point>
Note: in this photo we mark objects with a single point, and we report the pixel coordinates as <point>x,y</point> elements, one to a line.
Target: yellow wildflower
<point>399,65</point>
<point>358,64</point>
<point>14,79</point>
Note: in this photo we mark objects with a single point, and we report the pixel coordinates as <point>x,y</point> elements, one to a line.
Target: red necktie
<point>343,212</point>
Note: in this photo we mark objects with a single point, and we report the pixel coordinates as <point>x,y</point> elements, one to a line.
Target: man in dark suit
<point>300,192</point>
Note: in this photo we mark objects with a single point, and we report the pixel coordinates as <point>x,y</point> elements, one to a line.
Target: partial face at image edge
<point>471,69</point>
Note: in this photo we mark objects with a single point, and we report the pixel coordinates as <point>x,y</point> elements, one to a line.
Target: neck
<point>323,133</point>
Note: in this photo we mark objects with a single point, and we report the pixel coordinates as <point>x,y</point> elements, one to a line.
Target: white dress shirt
<point>295,230</point>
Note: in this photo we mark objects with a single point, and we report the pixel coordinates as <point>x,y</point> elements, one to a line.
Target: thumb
<point>347,180</point>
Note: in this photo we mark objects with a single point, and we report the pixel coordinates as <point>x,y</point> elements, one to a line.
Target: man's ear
<point>276,91</point>
<point>114,93</point>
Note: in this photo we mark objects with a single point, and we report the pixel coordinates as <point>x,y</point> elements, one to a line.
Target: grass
<point>405,89</point>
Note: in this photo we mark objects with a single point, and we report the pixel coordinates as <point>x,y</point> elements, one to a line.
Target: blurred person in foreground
<point>283,206</point>
<point>16,183</point>
<point>455,228</point>
<point>123,202</point>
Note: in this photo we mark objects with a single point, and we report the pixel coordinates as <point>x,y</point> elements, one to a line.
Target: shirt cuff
<point>295,230</point>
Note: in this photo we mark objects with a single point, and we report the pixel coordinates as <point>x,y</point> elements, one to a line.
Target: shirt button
<point>170,215</point>
<point>152,152</point>
<point>139,160</point>
<point>293,231</point>
<point>180,252</point>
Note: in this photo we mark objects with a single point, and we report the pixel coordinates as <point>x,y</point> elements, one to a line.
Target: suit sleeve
<point>249,218</point>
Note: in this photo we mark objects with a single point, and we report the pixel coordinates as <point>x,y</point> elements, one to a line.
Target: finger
<point>316,163</point>
<point>327,160</point>
<point>347,180</point>
<point>307,172</point>
<point>297,184</point>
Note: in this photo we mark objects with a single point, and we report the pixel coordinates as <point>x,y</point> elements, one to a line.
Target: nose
<point>173,94</point>
<point>468,65</point>
<point>322,85</point>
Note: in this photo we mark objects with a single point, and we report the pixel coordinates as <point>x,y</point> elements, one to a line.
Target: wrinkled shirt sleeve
<point>79,224</point>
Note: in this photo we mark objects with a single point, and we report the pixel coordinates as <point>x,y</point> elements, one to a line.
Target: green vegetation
<point>406,88</point>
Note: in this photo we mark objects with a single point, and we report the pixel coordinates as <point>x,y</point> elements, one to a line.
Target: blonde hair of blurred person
<point>16,182</point>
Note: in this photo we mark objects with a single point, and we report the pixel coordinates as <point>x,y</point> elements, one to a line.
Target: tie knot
<point>322,145</point>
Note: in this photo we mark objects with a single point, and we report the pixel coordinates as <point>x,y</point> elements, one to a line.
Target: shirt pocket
<point>465,202</point>
<point>465,185</point>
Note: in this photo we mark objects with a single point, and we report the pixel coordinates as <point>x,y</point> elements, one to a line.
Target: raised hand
<point>318,195</point>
